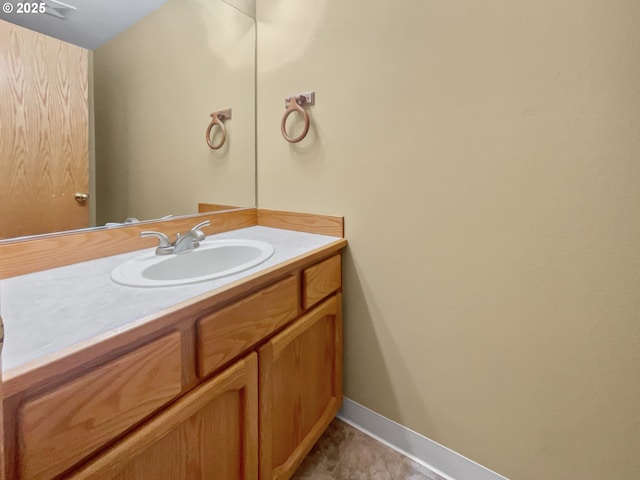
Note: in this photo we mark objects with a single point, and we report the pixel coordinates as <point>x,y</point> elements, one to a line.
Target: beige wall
<point>155,87</point>
<point>486,156</point>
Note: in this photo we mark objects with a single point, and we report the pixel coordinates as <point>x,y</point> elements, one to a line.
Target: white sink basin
<point>212,259</point>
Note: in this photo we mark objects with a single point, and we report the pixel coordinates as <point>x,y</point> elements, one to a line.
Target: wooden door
<point>44,131</point>
<point>300,372</point>
<point>210,434</point>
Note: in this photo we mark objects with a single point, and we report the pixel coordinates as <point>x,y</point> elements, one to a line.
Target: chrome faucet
<point>183,242</point>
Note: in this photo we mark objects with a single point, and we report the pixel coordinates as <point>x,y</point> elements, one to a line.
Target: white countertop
<point>47,311</point>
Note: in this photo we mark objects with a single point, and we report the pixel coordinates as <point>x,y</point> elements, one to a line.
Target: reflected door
<point>44,173</point>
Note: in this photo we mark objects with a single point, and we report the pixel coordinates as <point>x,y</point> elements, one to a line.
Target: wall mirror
<point>150,91</point>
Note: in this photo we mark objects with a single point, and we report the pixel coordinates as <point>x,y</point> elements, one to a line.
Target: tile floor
<point>345,453</point>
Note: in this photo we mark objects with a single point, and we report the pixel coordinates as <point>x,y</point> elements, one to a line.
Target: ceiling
<point>86,23</point>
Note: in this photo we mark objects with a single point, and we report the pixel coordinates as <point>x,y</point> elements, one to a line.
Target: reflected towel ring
<point>295,104</point>
<point>217,119</point>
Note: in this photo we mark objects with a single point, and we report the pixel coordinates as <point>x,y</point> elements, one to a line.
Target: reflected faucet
<point>183,242</point>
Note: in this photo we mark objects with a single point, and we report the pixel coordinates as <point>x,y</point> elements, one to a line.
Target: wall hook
<point>217,119</point>
<point>295,104</point>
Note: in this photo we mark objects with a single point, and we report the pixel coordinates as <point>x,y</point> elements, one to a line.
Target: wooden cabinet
<point>211,433</point>
<point>300,372</point>
<point>236,391</point>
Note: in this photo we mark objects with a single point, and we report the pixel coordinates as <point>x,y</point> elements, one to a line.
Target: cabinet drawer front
<point>61,427</point>
<point>320,280</point>
<point>227,333</point>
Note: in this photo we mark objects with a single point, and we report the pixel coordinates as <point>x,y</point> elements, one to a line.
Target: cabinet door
<point>300,378</point>
<point>211,433</point>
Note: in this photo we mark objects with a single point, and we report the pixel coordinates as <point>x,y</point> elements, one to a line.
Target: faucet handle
<point>164,244</point>
<point>199,234</point>
<point>206,223</point>
<point>162,238</point>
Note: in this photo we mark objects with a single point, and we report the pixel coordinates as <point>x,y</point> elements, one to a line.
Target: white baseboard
<point>436,457</point>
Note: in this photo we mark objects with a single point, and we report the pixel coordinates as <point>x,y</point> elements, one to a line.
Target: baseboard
<point>436,457</point>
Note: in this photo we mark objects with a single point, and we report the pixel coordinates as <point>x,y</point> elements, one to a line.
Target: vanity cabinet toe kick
<point>240,392</point>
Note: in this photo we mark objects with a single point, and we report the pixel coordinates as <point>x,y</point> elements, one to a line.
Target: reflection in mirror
<point>148,96</point>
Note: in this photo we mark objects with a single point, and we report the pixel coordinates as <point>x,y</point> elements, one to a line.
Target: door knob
<point>81,197</point>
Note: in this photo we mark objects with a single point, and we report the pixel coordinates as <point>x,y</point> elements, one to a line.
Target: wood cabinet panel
<point>321,280</point>
<point>211,433</point>
<point>227,333</point>
<point>300,384</point>
<point>60,428</point>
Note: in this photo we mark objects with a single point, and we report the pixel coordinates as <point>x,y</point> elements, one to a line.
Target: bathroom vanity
<point>235,381</point>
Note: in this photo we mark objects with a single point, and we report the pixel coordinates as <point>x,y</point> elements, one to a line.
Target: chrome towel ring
<point>295,104</point>
<point>217,119</point>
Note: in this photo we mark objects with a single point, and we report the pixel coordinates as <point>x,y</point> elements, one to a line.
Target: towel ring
<point>295,104</point>
<point>217,119</point>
